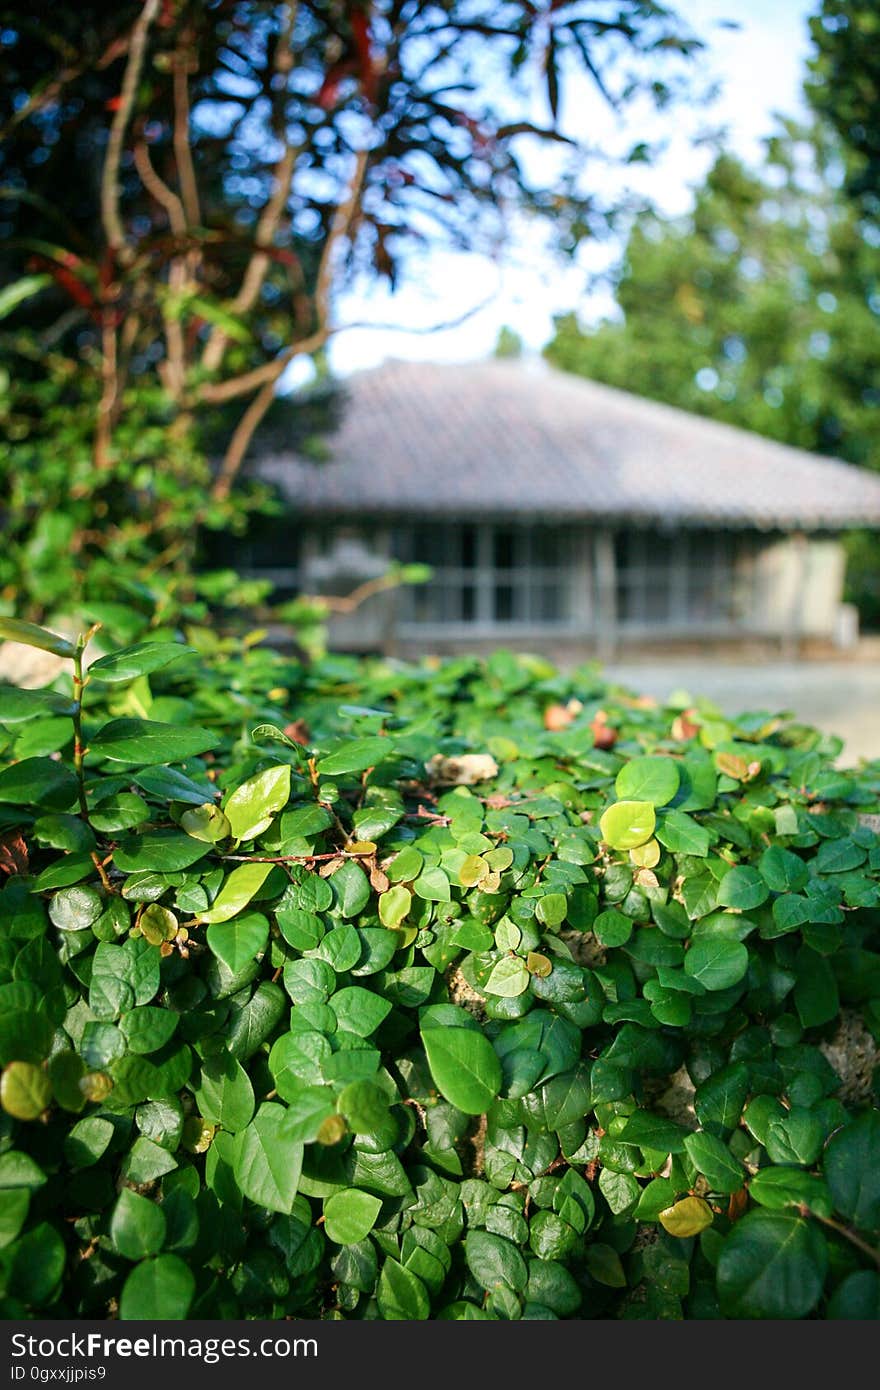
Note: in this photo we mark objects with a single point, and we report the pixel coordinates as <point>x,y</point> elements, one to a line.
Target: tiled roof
<point>511,439</point>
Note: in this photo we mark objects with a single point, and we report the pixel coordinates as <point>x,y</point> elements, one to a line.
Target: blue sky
<point>761,68</point>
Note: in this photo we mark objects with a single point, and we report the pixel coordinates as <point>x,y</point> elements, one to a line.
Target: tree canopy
<point>761,306</point>
<point>184,187</point>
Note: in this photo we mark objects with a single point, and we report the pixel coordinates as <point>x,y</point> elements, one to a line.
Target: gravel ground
<point>839,696</point>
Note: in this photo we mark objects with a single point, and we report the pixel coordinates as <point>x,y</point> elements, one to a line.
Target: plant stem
<point>79,751</point>
<point>849,1235</point>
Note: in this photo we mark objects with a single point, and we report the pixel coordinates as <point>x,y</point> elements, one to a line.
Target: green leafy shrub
<point>370,991</point>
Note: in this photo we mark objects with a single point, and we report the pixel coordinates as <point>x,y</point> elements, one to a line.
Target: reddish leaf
<point>13,853</point>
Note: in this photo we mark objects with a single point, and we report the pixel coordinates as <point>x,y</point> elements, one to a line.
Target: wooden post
<point>793,633</point>
<point>605,588</point>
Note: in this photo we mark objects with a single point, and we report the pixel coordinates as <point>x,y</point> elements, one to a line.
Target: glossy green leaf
<point>137,1226</point>
<point>170,784</point>
<point>165,851</point>
<point>268,1161</point>
<point>742,888</point>
<point>714,1160</point>
<point>30,635</point>
<point>352,888</point>
<point>75,909</point>
<point>772,1265</point>
<point>238,889</point>
<point>401,1296</point>
<point>508,978</point>
<point>783,1186</point>
<point>654,779</point>
<point>782,870</point>
<point>143,742</point>
<point>157,1290</point>
<point>680,833</point>
<point>495,1261</point>
<point>38,782</point>
<point>238,942</point>
<point>17,706</point>
<point>206,822</point>
<point>852,1170</point>
<point>138,660</point>
<point>627,824</point>
<point>37,1265</point>
<point>350,1216</point>
<point>147,1029</point>
<point>359,1010</point>
<point>394,906</point>
<point>251,807</point>
<point>225,1095</point>
<point>464,1066</point>
<point>355,756</point>
<point>716,961</point>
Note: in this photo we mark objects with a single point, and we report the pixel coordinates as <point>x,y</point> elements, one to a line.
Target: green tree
<point>844,87</point>
<point>185,185</point>
<point>760,307</point>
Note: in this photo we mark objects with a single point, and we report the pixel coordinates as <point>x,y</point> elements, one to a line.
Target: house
<point>557,513</point>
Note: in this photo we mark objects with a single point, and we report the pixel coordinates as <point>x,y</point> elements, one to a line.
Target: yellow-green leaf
<point>237,891</point>
<point>627,824</point>
<point>25,1091</point>
<point>688,1217</point>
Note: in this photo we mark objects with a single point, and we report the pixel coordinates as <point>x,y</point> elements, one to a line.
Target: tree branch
<point>349,602</point>
<point>158,189</point>
<point>244,430</point>
<point>270,217</point>
<point>182,151</point>
<point>259,263</point>
<point>110,218</point>
<point>217,392</point>
<point>110,383</point>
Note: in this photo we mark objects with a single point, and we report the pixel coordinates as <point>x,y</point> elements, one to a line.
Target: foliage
<point>184,186</point>
<point>760,307</point>
<point>375,991</point>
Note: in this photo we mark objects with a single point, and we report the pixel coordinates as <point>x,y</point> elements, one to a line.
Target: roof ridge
<point>492,437</point>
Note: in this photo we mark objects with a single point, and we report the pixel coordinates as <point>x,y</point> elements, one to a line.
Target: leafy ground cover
<point>465,990</point>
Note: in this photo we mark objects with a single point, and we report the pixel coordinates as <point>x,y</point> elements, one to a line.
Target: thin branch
<point>419,330</point>
<point>158,189</point>
<point>294,858</point>
<point>182,150</point>
<point>270,217</point>
<point>217,392</point>
<point>259,263</point>
<point>40,99</point>
<point>851,1236</point>
<point>54,86</point>
<point>173,369</point>
<point>349,602</point>
<point>110,217</point>
<point>110,381</point>
<point>244,430</point>
<point>340,228</point>
<point>249,422</point>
